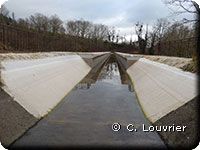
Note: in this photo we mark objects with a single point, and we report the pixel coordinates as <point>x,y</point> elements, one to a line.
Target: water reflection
<point>82,86</point>
<point>110,72</point>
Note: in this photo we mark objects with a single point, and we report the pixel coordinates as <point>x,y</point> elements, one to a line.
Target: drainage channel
<point>86,115</point>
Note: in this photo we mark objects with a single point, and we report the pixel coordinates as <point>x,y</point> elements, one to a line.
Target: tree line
<point>85,33</point>
<point>164,31</point>
<point>53,24</point>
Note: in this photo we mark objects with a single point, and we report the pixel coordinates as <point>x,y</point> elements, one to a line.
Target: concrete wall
<point>32,88</point>
<point>38,85</point>
<point>159,86</point>
<point>156,87</point>
<point>163,93</point>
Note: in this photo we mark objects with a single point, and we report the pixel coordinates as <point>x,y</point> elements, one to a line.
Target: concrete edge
<point>186,115</point>
<point>15,120</point>
<point>94,59</point>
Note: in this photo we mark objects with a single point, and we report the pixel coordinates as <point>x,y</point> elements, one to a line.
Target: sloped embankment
<point>33,87</point>
<point>167,96</point>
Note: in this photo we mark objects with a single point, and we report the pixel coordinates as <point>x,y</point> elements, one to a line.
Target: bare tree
<point>55,24</point>
<point>39,22</point>
<point>62,30</point>
<point>4,15</point>
<point>118,36</point>
<point>184,6</point>
<point>157,34</point>
<point>99,32</point>
<point>152,37</point>
<point>178,31</point>
<point>111,34</point>
<point>139,29</point>
<point>85,27</point>
<point>4,11</point>
<point>79,28</point>
<point>71,28</point>
<point>23,23</point>
<point>160,28</point>
<point>142,41</point>
<point>102,31</point>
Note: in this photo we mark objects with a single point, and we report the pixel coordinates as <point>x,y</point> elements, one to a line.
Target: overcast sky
<point>121,14</point>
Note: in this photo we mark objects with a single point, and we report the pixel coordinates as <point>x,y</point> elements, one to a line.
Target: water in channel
<point>86,115</point>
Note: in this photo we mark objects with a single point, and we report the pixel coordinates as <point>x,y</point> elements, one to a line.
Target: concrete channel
<point>74,100</point>
<point>85,117</point>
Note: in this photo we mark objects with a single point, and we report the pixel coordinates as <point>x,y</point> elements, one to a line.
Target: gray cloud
<point>90,9</point>
<point>147,11</point>
<point>122,14</point>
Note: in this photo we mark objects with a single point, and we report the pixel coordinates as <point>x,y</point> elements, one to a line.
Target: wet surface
<point>85,116</point>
